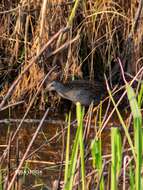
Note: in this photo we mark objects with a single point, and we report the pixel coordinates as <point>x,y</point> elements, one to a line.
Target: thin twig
<point>11,89</point>
<point>137,18</point>
<point>107,120</point>
<point>27,111</point>
<point>27,150</point>
<point>31,121</point>
<point>122,70</point>
<point>12,105</point>
<point>32,101</point>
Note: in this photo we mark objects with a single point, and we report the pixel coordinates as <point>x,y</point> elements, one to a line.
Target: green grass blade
<point>73,160</point>
<point>67,150</point>
<point>119,152</point>
<point>116,151</point>
<point>140,96</point>
<point>73,12</point>
<point>123,125</point>
<point>113,164</point>
<point>80,114</point>
<point>97,159</point>
<point>137,118</point>
<point>131,177</point>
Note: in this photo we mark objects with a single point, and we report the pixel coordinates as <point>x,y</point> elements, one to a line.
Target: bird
<point>82,91</point>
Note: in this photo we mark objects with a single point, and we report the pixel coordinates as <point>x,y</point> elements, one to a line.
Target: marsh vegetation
<point>48,142</point>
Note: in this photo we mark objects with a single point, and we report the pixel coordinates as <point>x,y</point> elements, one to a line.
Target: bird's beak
<point>49,87</point>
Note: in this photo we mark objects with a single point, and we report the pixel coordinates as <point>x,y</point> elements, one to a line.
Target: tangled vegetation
<point>42,41</point>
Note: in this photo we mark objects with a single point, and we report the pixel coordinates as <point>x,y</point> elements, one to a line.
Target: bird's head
<point>54,86</point>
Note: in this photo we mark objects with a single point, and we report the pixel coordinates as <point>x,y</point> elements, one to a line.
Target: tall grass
<point>67,150</point>
<point>104,27</point>
<point>131,177</point>
<point>137,123</point>
<point>116,150</point>
<point>78,144</point>
<point>116,160</point>
<point>96,152</point>
<point>123,124</point>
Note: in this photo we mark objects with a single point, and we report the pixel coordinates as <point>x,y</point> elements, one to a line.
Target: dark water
<point>43,163</point>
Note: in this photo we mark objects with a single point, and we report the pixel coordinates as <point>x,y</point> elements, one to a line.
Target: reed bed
<point>117,168</point>
<point>42,41</point>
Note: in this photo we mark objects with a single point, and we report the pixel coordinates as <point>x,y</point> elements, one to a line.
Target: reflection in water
<point>44,159</point>
<point>41,163</point>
